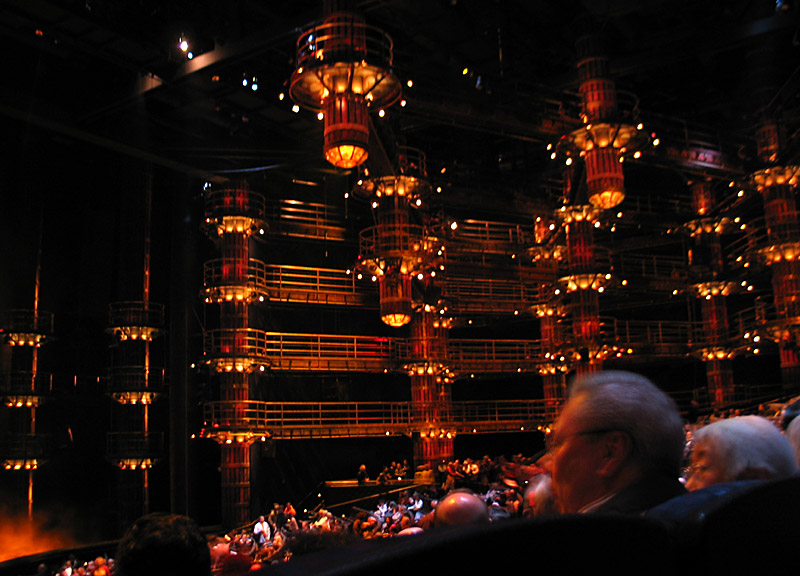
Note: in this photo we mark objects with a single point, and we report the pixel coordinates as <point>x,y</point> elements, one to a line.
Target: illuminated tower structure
<point>431,392</point>
<point>777,183</point>
<point>235,352</point>
<point>407,260</point>
<point>136,381</point>
<point>583,285</point>
<point>23,389</point>
<point>707,262</point>
<point>609,134</point>
<point>344,67</point>
<point>549,310</point>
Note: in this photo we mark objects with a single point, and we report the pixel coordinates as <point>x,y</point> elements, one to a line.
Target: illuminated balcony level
<point>776,176</point>
<point>788,251</point>
<point>708,353</point>
<point>143,397</point>
<point>23,451</point>
<point>235,293</point>
<point>236,225</point>
<point>26,401</point>
<point>230,437</point>
<point>134,463</point>
<point>143,333</point>
<point>21,464</point>
<point>587,281</point>
<point>248,421</point>
<point>33,340</point>
<point>134,450</point>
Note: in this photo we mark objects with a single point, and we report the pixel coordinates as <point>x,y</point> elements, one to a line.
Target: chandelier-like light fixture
<point>343,67</point>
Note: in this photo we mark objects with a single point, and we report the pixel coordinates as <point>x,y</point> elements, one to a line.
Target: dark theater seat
<point>558,545</point>
<point>736,526</point>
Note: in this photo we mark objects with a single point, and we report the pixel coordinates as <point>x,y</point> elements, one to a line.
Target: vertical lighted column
<point>777,183</point>
<point>394,283</point>
<point>431,397</point>
<point>554,364</point>
<point>583,285</point>
<point>713,290</point>
<point>23,389</point>
<point>396,251</point>
<point>135,382</point>
<point>553,368</point>
<point>608,134</point>
<point>235,281</point>
<point>599,144</point>
<point>402,256</point>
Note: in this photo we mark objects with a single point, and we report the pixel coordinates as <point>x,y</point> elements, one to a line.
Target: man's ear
<point>616,450</point>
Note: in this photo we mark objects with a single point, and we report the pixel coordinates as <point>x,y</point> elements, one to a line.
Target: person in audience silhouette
<point>163,544</point>
<point>617,446</point>
<point>740,448</point>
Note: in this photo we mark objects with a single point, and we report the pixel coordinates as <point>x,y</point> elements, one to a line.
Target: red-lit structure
<point>25,387</point>
<point>556,261</point>
<point>234,351</point>
<point>136,381</point>
<point>344,68</point>
<point>707,267</point>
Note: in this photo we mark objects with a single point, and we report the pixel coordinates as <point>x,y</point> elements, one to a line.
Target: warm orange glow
<point>396,320</point>
<point>346,130</point>
<point>346,155</point>
<point>21,537</point>
<point>607,199</point>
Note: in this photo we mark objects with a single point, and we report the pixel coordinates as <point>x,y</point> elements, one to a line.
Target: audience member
<point>361,476</point>
<point>616,447</point>
<point>163,544</point>
<point>261,532</point>
<point>740,448</point>
<point>460,507</point>
<point>793,435</point>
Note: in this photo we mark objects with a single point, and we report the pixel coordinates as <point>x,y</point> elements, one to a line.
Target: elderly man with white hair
<point>617,446</point>
<point>741,448</point>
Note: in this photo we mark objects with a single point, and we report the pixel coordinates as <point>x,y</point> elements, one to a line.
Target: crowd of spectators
<point>619,446</point>
<point>498,484</point>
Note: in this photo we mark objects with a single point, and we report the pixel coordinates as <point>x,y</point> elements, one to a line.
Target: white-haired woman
<point>741,448</point>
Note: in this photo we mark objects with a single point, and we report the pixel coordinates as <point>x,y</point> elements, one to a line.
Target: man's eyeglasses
<point>553,442</point>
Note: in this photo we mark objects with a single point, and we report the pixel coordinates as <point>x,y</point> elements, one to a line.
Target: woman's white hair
<point>749,447</point>
<point>793,435</point>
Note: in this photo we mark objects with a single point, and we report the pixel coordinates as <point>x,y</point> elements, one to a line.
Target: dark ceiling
<point>92,87</point>
<point>109,73</point>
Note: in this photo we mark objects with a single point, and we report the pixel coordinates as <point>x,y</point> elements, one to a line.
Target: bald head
<point>460,507</point>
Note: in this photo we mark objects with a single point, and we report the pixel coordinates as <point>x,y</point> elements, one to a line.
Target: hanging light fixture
<point>343,67</point>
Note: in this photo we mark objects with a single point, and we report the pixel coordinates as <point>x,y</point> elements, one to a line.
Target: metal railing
<point>234,202</point>
<point>142,313</point>
<point>134,445</point>
<point>223,272</point>
<point>494,355</point>
<point>135,378</point>
<point>307,220</point>
<point>27,321</point>
<point>337,419</point>
<point>23,383</point>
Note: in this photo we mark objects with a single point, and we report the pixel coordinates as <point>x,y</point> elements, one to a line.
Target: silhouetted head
<point>460,507</point>
<point>164,544</point>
